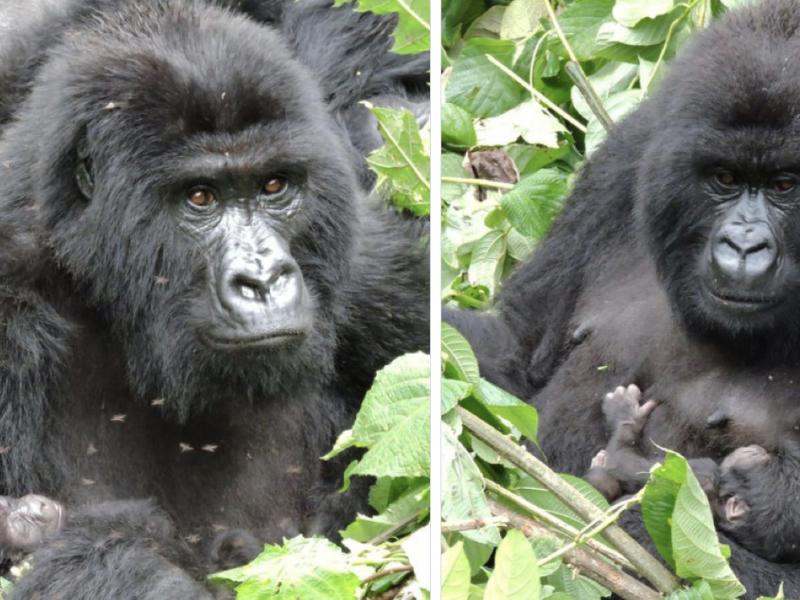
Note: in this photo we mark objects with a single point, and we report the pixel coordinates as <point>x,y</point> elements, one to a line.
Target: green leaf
<point>417,548</point>
<point>535,201</point>
<point>581,22</point>
<point>463,498</point>
<point>486,264</point>
<point>455,573</point>
<point>413,32</point>
<point>521,19</point>
<point>457,128</point>
<point>630,12</point>
<point>516,572</point>
<point>527,121</point>
<point>308,568</point>
<point>617,105</point>
<point>647,33</point>
<point>458,355</point>
<point>480,87</point>
<point>402,164</point>
<point>699,591</point>
<point>521,415</point>
<point>394,420</point>
<point>452,392</point>
<point>677,516</point>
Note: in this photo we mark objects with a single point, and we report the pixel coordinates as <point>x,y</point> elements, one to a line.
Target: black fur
<point>615,293</point>
<point>106,391</point>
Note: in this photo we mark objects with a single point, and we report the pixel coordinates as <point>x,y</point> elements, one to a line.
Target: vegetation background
<point>530,88</point>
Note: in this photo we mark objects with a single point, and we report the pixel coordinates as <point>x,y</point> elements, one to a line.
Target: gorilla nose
<point>257,283</point>
<point>744,255</point>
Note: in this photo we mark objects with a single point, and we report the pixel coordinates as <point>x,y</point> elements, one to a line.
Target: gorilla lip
<point>267,339</point>
<point>743,301</point>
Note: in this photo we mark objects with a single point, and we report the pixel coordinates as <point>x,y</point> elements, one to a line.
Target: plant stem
<point>578,76</point>
<point>642,560</point>
<point>385,572</point>
<point>596,569</point>
<point>500,185</point>
<point>592,529</point>
<point>537,94</point>
<point>382,537</point>
<point>586,89</point>
<point>564,528</point>
<point>455,526</point>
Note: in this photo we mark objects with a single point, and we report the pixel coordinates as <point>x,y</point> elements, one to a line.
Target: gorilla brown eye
<point>783,184</point>
<point>276,185</point>
<point>201,197</point>
<point>726,178</point>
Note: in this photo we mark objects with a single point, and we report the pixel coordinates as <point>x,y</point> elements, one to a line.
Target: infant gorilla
<point>752,491</point>
<point>26,521</point>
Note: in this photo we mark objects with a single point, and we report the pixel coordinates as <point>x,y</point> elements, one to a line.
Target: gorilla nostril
<point>757,248</point>
<point>248,288</point>
<point>731,244</point>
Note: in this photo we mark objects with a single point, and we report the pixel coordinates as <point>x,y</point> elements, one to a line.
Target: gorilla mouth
<point>747,302</point>
<point>268,339</point>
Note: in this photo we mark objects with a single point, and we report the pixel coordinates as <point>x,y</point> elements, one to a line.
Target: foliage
<point>490,499</point>
<point>514,119</point>
<point>529,90</point>
<point>381,552</point>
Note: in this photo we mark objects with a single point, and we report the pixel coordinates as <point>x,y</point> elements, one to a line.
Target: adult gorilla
<point>675,265</point>
<point>190,272</point>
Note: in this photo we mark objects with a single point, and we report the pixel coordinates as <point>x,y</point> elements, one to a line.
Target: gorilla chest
<point>710,405</point>
<point>248,468</point>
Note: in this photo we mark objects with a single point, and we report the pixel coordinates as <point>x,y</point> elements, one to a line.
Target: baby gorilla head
<point>24,522</point>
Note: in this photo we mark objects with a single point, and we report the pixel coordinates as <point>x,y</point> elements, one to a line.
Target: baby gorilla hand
<point>24,522</point>
<point>621,467</point>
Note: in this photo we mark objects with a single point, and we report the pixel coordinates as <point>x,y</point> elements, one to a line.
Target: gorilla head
<point>719,189</point>
<point>193,191</point>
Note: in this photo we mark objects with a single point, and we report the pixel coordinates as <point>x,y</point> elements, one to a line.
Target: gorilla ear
<point>84,175</point>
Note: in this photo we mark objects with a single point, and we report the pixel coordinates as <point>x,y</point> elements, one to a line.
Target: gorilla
<point>748,478</point>
<point>195,290</point>
<point>675,266</point>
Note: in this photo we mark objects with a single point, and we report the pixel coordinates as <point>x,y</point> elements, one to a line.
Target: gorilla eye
<point>274,186</point>
<point>201,197</point>
<point>783,184</point>
<point>726,178</point>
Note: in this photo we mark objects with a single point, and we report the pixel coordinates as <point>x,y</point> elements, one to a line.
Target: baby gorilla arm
<point>752,492</point>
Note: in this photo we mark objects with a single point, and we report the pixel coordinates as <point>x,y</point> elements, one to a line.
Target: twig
<point>500,185</point>
<point>605,574</point>
<point>385,535</point>
<point>454,526</point>
<point>537,94</point>
<point>385,572</point>
<point>587,91</point>
<point>565,529</point>
<point>643,561</point>
<point>592,529</point>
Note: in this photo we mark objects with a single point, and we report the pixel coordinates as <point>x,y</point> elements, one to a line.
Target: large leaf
<point>455,574</point>
<point>516,573</point>
<point>678,517</point>
<point>457,128</point>
<point>630,12</point>
<point>312,569</point>
<point>521,415</point>
<point>480,87</point>
<point>488,257</point>
<point>459,359</point>
<point>402,164</point>
<point>535,201</point>
<point>463,498</point>
<point>527,121</point>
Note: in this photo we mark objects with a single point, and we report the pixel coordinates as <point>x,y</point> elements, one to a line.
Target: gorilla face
<point>203,205</point>
<point>718,195</point>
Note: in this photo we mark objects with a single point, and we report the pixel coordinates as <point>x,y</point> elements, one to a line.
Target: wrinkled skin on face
<point>26,521</point>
